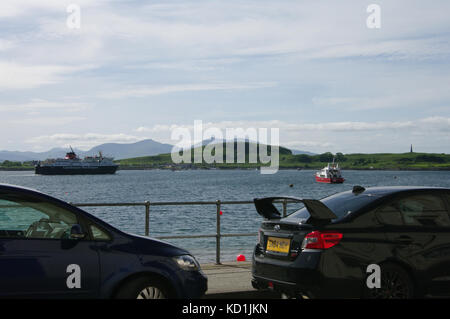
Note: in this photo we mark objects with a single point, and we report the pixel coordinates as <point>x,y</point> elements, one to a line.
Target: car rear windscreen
<point>341,205</point>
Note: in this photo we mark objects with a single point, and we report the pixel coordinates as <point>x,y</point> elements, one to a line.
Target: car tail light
<point>321,240</point>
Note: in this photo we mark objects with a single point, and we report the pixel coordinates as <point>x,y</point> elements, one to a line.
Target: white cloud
<point>351,126</point>
<point>351,136</point>
<point>297,49</point>
<point>428,91</point>
<point>48,121</point>
<point>82,141</point>
<point>16,8</point>
<point>167,89</point>
<point>19,76</point>
<point>5,45</point>
<point>36,105</point>
<point>432,123</point>
<point>437,123</point>
<point>232,28</point>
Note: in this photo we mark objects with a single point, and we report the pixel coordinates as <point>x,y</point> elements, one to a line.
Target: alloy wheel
<point>394,285</point>
<point>151,293</point>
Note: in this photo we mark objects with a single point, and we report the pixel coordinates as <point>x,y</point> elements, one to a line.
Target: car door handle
<point>404,240</point>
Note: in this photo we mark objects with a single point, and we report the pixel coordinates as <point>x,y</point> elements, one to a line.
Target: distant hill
<point>211,140</point>
<point>117,150</point>
<point>389,161</point>
<point>120,151</point>
<point>32,156</point>
<point>166,159</point>
<point>296,152</point>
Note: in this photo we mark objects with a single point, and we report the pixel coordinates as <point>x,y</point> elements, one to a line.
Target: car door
<point>37,256</point>
<point>418,231</point>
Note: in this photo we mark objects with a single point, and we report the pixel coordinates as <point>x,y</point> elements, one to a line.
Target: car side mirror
<point>76,232</point>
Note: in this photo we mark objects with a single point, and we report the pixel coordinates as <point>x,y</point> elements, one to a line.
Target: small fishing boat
<point>330,174</point>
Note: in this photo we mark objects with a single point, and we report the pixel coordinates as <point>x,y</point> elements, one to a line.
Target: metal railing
<point>218,235</point>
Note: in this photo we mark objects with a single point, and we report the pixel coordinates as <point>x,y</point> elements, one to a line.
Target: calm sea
<point>202,185</point>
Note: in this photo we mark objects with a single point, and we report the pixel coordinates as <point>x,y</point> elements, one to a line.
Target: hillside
<point>383,161</point>
<point>288,160</point>
<point>164,160</point>
<point>116,150</point>
<point>121,151</point>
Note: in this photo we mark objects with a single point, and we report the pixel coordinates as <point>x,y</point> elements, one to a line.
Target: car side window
<point>416,210</point>
<point>99,234</point>
<point>390,215</point>
<point>32,218</point>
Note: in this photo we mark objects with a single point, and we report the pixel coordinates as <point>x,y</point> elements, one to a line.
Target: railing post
<point>147,218</point>
<point>284,208</point>
<point>218,232</point>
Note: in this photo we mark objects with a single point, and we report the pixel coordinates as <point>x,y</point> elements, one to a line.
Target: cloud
<point>428,91</point>
<point>6,45</point>
<point>167,89</point>
<point>82,141</point>
<point>351,126</point>
<point>16,8</point>
<point>431,123</point>
<point>302,59</point>
<point>190,65</point>
<point>20,76</point>
<point>232,29</point>
<point>349,136</point>
<point>36,105</point>
<point>437,123</point>
<point>48,121</point>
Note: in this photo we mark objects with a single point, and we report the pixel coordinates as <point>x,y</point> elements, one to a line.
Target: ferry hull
<point>336,180</point>
<point>52,170</point>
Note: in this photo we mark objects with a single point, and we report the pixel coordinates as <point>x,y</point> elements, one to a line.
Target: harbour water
<point>202,185</point>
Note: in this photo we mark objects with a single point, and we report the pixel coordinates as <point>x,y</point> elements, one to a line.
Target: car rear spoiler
<point>317,209</point>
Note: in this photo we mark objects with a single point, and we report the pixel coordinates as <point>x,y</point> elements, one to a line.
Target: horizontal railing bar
<point>106,204</point>
<point>205,236</point>
<point>239,234</point>
<point>170,203</point>
<point>184,236</point>
<point>217,203</point>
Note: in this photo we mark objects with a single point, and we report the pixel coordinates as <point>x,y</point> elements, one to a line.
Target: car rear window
<point>341,205</point>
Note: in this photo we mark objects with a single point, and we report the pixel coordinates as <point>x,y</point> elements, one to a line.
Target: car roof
<point>19,188</point>
<point>34,192</point>
<point>387,190</point>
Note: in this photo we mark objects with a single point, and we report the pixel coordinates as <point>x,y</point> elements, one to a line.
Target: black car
<point>51,249</point>
<point>380,242</point>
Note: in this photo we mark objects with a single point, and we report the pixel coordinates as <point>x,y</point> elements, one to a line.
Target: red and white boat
<point>330,174</point>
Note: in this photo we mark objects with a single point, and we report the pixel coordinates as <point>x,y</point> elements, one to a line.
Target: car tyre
<point>144,288</point>
<point>395,284</point>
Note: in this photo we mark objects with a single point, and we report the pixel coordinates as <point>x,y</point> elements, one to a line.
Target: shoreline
<point>252,169</point>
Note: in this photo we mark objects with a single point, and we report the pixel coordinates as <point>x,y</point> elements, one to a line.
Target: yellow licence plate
<point>279,245</point>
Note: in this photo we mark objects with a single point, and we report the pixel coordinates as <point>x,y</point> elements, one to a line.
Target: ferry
<point>72,164</point>
<point>330,174</point>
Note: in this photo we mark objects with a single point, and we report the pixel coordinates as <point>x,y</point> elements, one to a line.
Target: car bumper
<point>308,275</point>
<point>194,284</point>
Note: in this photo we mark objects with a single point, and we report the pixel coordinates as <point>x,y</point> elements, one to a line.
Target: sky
<point>140,69</point>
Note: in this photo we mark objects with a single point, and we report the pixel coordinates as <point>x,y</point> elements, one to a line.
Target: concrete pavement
<point>232,280</point>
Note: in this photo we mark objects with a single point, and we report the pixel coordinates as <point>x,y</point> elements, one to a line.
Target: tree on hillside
<point>326,157</point>
<point>340,157</point>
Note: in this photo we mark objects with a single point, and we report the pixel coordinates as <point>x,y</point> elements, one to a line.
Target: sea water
<point>202,185</point>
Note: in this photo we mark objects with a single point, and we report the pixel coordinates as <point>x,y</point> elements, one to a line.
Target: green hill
<point>381,161</point>
<point>251,150</point>
<point>384,161</point>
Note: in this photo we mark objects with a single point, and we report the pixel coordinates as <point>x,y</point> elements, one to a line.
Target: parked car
<point>330,247</point>
<point>51,249</point>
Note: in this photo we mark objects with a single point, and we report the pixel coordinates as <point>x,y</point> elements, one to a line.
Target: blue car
<point>51,249</point>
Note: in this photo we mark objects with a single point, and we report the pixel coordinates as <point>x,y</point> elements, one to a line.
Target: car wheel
<point>395,284</point>
<point>143,288</point>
